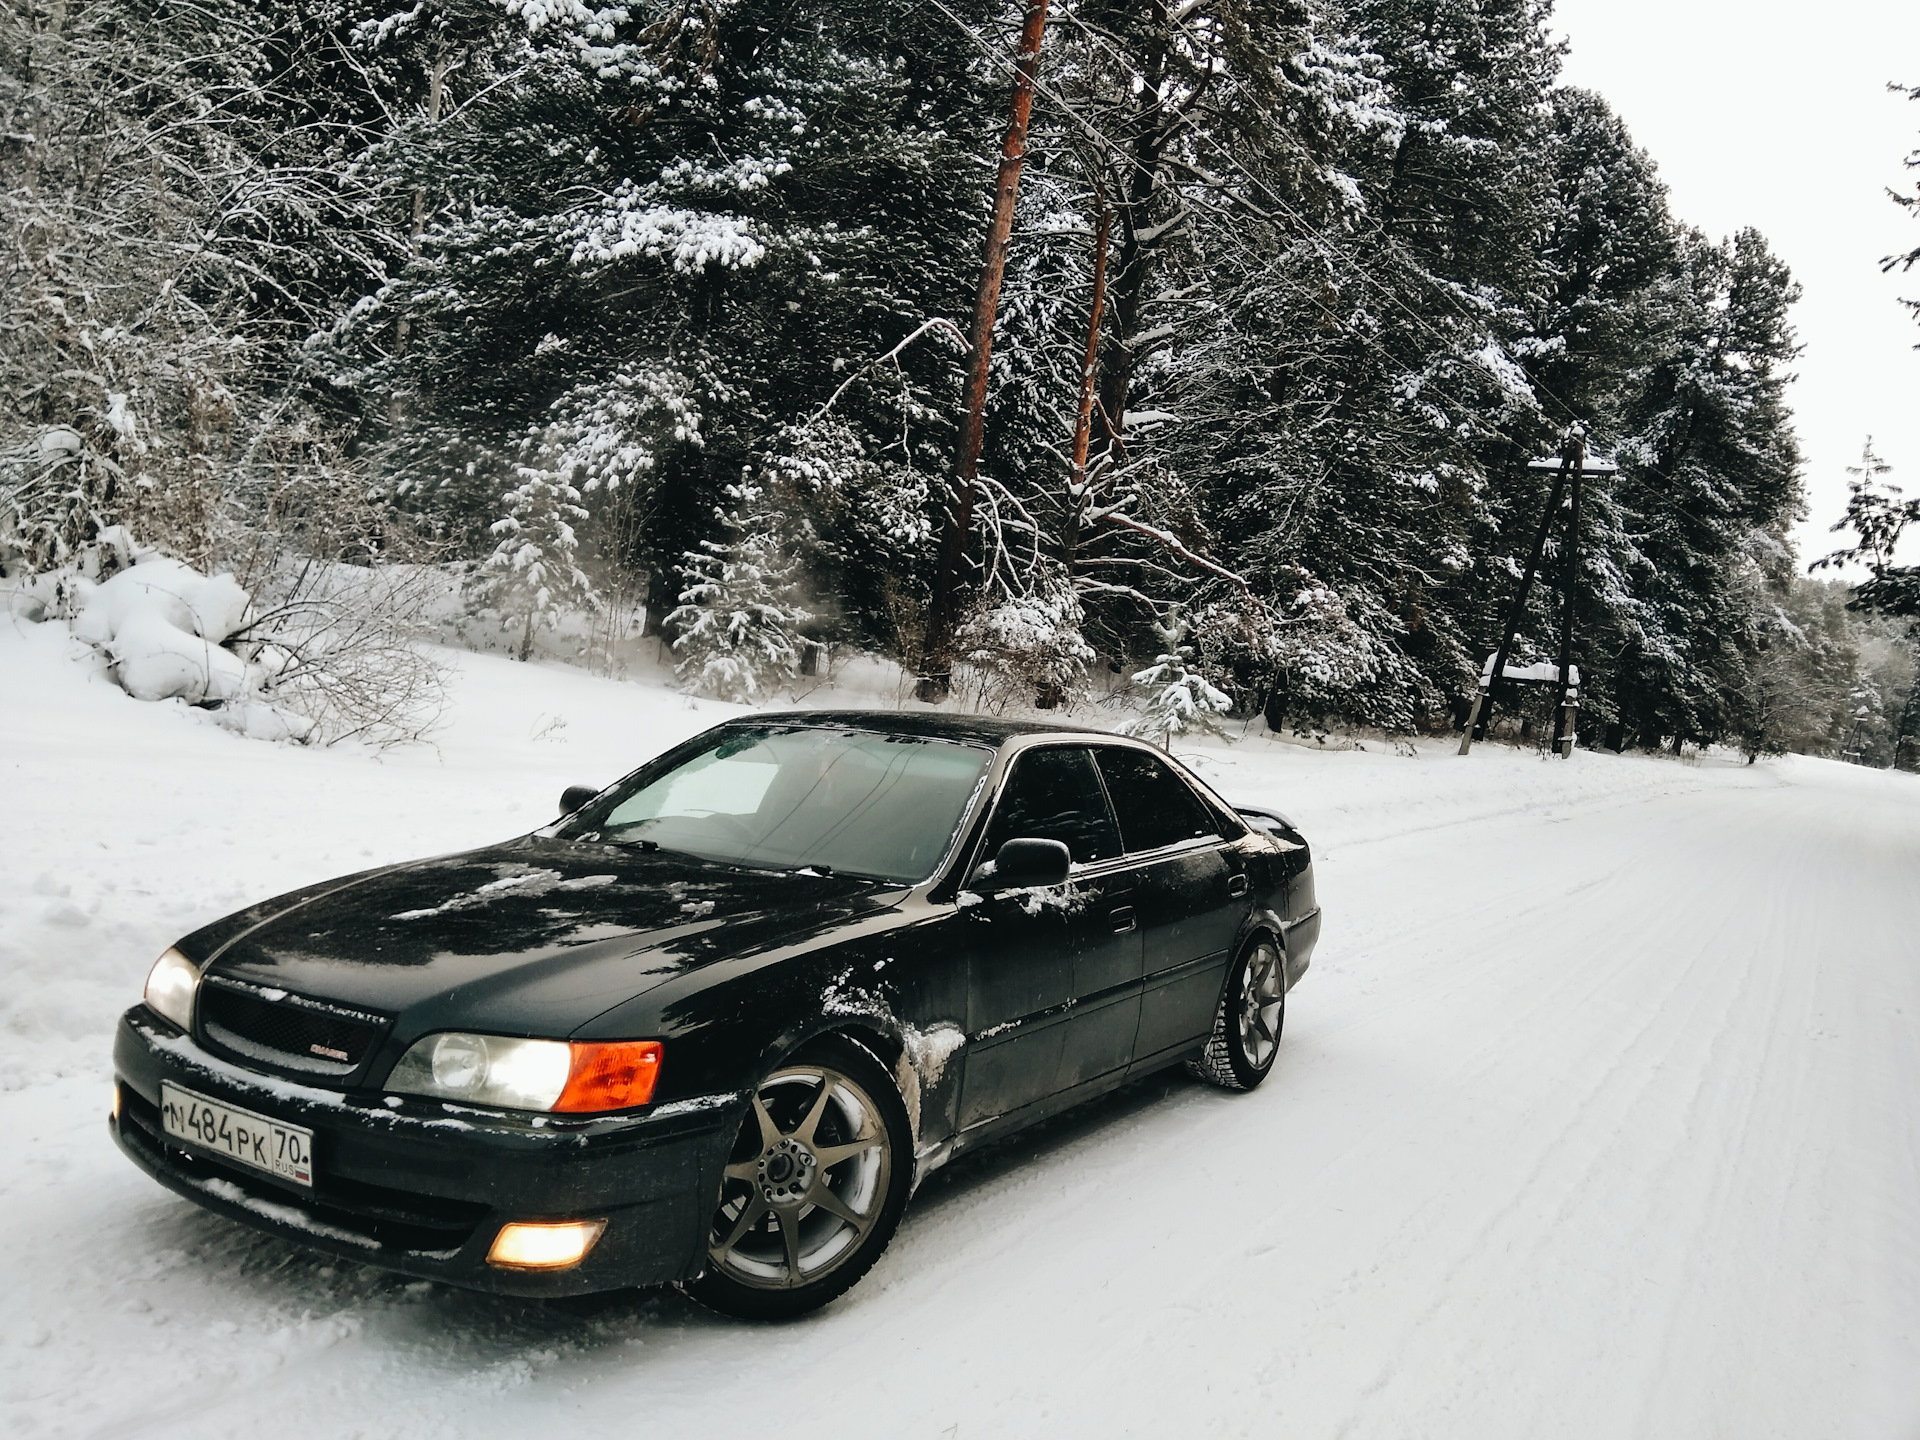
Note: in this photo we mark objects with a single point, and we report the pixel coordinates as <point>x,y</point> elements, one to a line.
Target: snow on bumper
<point>422,1187</point>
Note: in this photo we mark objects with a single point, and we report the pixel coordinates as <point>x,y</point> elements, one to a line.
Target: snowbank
<point>163,624</point>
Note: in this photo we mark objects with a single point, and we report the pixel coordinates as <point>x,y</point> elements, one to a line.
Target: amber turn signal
<point>524,1246</point>
<point>610,1075</point>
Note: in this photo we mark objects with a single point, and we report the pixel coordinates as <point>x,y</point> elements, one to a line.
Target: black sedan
<point>715,1023</point>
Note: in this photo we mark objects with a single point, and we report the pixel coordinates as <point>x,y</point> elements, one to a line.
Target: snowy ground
<point>1595,1117</point>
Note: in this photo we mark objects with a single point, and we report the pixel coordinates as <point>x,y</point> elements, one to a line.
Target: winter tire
<point>1246,1028</point>
<point>813,1188</point>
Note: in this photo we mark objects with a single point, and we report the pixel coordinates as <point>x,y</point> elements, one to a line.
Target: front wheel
<point>813,1188</point>
<point>1246,1028</point>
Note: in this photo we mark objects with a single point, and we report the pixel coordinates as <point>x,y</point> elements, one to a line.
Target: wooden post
<point>1576,439</point>
<point>943,615</point>
<point>1563,712</point>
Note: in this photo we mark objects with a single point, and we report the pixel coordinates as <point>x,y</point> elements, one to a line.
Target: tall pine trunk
<point>943,615</point>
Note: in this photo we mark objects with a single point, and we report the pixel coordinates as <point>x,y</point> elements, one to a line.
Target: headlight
<point>170,987</point>
<point>581,1077</point>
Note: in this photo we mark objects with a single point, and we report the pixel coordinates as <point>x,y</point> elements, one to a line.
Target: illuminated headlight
<point>578,1077</point>
<point>170,987</point>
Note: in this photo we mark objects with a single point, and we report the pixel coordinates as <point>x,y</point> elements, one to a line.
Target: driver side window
<point>1055,793</point>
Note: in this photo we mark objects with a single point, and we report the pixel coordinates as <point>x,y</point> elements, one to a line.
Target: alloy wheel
<point>806,1183</point>
<point>1260,1000</point>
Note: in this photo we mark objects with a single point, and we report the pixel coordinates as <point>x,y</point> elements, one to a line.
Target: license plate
<point>283,1150</point>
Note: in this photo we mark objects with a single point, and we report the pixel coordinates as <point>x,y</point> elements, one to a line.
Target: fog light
<point>544,1247</point>
<point>114,1113</point>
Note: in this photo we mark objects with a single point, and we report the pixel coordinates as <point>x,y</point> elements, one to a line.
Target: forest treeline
<point>670,300</point>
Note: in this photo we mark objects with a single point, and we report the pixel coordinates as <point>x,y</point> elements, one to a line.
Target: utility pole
<point>1573,459</point>
<point>943,615</point>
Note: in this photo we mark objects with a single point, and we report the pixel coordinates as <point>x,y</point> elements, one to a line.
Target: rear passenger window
<point>1055,794</point>
<point>1154,805</point>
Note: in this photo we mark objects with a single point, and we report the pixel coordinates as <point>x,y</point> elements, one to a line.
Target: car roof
<point>982,729</point>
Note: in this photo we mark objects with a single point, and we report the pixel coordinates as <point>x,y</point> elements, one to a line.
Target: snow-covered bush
<point>1027,647</point>
<point>1183,700</point>
<point>1337,655</point>
<point>339,644</point>
<point>163,626</point>
<point>738,616</point>
<point>320,651</point>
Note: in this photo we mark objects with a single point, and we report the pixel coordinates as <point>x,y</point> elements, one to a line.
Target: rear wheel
<point>813,1188</point>
<point>1246,1028</point>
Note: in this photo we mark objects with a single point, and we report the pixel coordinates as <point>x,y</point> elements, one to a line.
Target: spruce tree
<point>736,628</point>
<point>1183,701</point>
<point>532,577</point>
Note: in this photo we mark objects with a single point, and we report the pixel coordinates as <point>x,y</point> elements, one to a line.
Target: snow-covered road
<point>1595,1117</point>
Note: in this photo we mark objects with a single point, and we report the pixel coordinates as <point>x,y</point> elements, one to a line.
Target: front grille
<point>287,1030</point>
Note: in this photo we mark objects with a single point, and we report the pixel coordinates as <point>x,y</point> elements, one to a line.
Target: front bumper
<point>422,1187</point>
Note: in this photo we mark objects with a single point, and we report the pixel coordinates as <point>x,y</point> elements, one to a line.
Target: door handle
<point>1236,885</point>
<point>1122,918</point>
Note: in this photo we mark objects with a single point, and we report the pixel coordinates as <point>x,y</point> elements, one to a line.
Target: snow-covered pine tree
<point>532,577</point>
<point>738,615</point>
<point>1878,517</point>
<point>1708,484</point>
<point>1183,700</point>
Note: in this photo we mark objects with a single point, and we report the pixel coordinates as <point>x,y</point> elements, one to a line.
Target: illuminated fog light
<point>522,1246</point>
<point>114,1112</point>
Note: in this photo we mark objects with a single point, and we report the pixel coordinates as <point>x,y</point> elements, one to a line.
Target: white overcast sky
<point>1777,116</point>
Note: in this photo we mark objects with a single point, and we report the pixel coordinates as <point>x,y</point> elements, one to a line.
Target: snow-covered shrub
<point>327,653</point>
<point>1337,654</point>
<point>163,625</point>
<point>1027,647</point>
<point>54,490</point>
<point>1183,700</point>
<point>338,647</point>
<point>738,616</point>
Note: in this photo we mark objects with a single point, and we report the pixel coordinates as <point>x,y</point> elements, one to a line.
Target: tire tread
<point>1218,1063</point>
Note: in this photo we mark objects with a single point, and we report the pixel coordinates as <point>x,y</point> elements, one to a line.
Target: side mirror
<point>1030,862</point>
<point>574,796</point>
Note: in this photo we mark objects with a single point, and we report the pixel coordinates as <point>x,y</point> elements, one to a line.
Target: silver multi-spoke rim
<point>806,1182</point>
<point>1260,1001</point>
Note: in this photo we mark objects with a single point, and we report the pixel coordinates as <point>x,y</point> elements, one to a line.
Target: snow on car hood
<point>533,937</point>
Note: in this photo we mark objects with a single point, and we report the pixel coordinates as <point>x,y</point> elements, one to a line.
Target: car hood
<point>533,937</point>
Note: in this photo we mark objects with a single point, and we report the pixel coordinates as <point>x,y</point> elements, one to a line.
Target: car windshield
<point>840,800</point>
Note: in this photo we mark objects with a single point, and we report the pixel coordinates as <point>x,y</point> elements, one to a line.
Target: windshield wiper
<point>827,872</point>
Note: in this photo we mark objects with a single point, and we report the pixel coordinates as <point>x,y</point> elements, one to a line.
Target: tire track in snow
<point>1541,1166</point>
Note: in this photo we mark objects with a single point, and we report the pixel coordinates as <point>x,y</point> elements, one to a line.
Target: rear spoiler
<point>1271,822</point>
